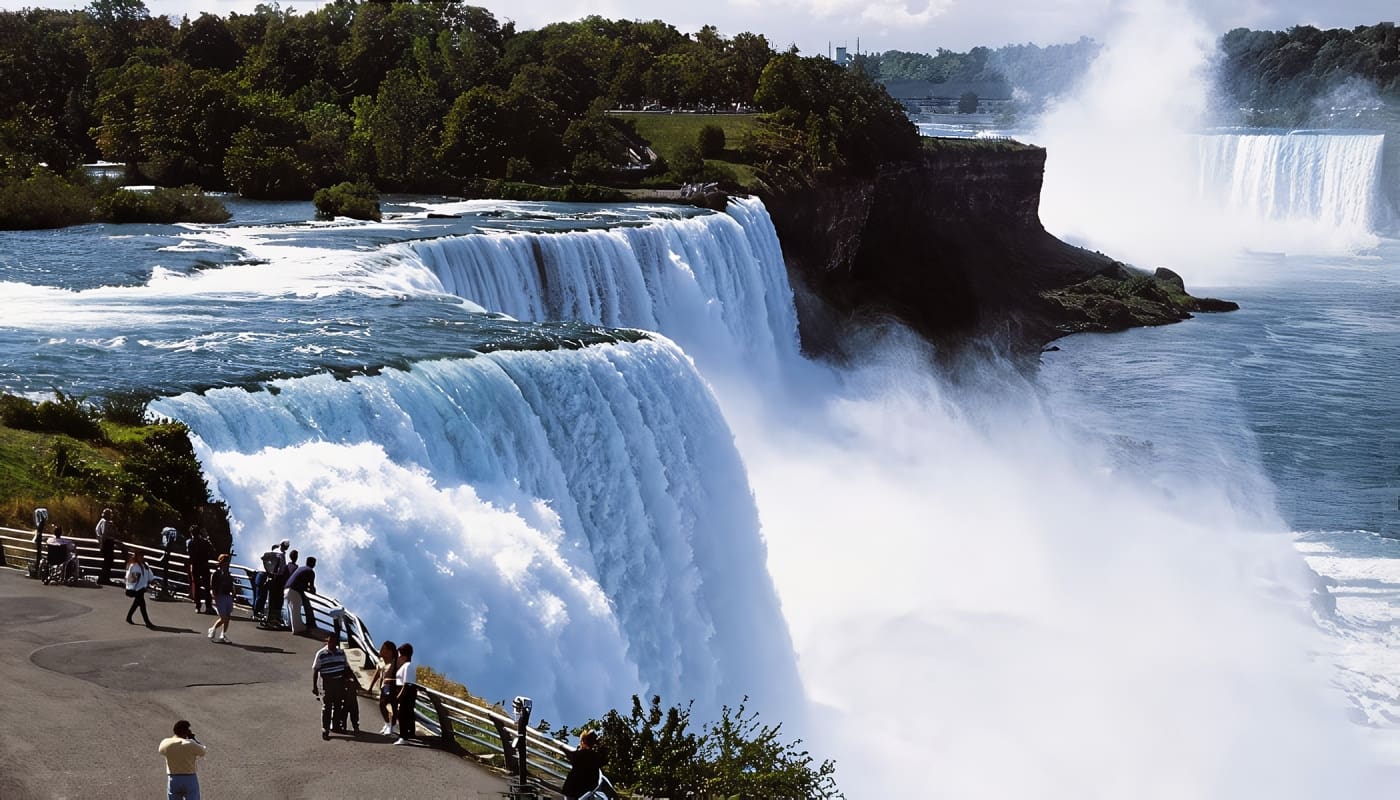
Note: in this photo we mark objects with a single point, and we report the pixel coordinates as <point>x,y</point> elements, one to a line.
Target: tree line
<point>405,96</point>
<point>1284,77</point>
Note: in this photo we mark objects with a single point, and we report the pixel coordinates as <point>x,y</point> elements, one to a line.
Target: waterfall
<point>575,525</point>
<point>1328,177</point>
<point>715,283</point>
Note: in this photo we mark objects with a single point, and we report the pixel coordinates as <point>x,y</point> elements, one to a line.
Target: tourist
<point>169,537</point>
<point>299,585</point>
<point>586,772</point>
<point>200,551</point>
<point>406,701</point>
<point>276,567</point>
<point>107,535</point>
<point>70,560</point>
<point>180,752</point>
<point>138,579</point>
<point>332,669</point>
<point>384,676</point>
<point>222,586</point>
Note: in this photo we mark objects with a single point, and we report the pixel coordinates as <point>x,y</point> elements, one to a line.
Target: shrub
<point>124,409</point>
<point>710,141</point>
<point>43,200</point>
<point>354,200</point>
<point>162,206</point>
<point>64,414</point>
<point>686,162</point>
<point>572,193</point>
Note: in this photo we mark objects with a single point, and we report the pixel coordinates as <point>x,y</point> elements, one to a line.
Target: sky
<point>919,25</point>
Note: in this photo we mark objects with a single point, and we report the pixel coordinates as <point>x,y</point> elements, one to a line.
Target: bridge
<point>88,697</point>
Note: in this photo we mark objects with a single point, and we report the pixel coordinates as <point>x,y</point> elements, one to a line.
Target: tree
<point>710,140</point>
<point>967,103</point>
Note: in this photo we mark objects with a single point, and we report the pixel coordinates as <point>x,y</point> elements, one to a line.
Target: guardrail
<point>474,729</point>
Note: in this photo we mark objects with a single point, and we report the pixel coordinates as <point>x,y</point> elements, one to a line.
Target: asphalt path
<point>85,699</point>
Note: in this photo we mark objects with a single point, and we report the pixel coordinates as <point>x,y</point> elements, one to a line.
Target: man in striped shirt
<point>332,669</point>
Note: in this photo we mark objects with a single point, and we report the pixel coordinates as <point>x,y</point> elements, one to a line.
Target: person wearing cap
<point>332,668</point>
<point>180,752</point>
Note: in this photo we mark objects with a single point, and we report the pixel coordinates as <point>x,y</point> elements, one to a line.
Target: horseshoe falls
<point>1327,178</point>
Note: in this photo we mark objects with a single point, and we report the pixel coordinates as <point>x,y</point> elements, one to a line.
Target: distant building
<point>927,97</point>
<point>841,58</point>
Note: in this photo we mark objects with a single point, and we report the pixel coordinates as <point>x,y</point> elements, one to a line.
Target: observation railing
<point>476,729</point>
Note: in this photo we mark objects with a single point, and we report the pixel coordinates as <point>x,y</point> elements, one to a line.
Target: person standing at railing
<point>106,534</point>
<point>384,676</point>
<point>586,770</point>
<point>275,563</point>
<point>138,578</point>
<point>200,551</point>
<point>168,537</point>
<point>406,701</point>
<point>222,582</point>
<point>299,585</point>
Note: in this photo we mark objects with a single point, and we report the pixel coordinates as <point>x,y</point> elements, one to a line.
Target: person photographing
<point>180,752</point>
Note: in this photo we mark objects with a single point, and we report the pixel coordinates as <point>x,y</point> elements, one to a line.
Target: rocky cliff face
<point>952,245</point>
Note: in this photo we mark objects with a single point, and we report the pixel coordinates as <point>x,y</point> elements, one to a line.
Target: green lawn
<point>666,132</point>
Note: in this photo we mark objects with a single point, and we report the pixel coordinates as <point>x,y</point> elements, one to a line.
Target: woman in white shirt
<point>406,709</point>
<point>138,577</point>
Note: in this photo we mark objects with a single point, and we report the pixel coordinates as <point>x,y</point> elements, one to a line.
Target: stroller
<point>61,565</point>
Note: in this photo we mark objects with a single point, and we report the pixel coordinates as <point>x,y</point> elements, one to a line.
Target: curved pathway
<point>86,698</point>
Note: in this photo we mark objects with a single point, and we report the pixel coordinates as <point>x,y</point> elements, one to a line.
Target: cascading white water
<point>715,283</point>
<point>1327,177</point>
<point>574,524</point>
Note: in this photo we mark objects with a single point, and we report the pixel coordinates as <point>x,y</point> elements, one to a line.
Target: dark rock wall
<point>951,244</point>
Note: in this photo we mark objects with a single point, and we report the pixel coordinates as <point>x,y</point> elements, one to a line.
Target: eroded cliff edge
<point>952,245</point>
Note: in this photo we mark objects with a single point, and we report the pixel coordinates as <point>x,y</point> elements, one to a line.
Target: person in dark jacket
<point>200,552</point>
<point>299,585</point>
<point>587,771</point>
<point>106,534</point>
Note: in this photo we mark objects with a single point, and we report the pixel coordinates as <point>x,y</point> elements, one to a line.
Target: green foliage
<point>1289,72</point>
<point>967,103</point>
<point>653,752</point>
<point>43,200</point>
<point>66,453</point>
<point>124,409</point>
<point>185,204</point>
<point>823,117</point>
<point>570,193</point>
<point>710,141</point>
<point>405,96</point>
<point>64,414</point>
<point>354,200</point>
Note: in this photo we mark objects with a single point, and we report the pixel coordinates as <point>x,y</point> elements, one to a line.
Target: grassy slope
<point>26,480</point>
<point>667,132</point>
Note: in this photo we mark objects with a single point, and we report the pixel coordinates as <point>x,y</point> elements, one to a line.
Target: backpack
<point>272,562</point>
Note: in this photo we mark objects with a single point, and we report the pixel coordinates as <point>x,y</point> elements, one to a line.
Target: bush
<point>43,200</point>
<point>686,162</point>
<point>710,141</point>
<point>572,193</point>
<point>125,409</point>
<point>162,206</point>
<point>354,200</point>
<point>64,414</point>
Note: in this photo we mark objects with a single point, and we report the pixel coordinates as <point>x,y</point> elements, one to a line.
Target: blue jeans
<point>183,787</point>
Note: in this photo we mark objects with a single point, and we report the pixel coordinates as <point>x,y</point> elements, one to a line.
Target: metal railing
<point>479,730</point>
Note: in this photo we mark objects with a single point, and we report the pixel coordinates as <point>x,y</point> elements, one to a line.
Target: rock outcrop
<point>952,245</point>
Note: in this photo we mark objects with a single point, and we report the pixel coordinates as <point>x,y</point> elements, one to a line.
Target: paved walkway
<point>85,699</point>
